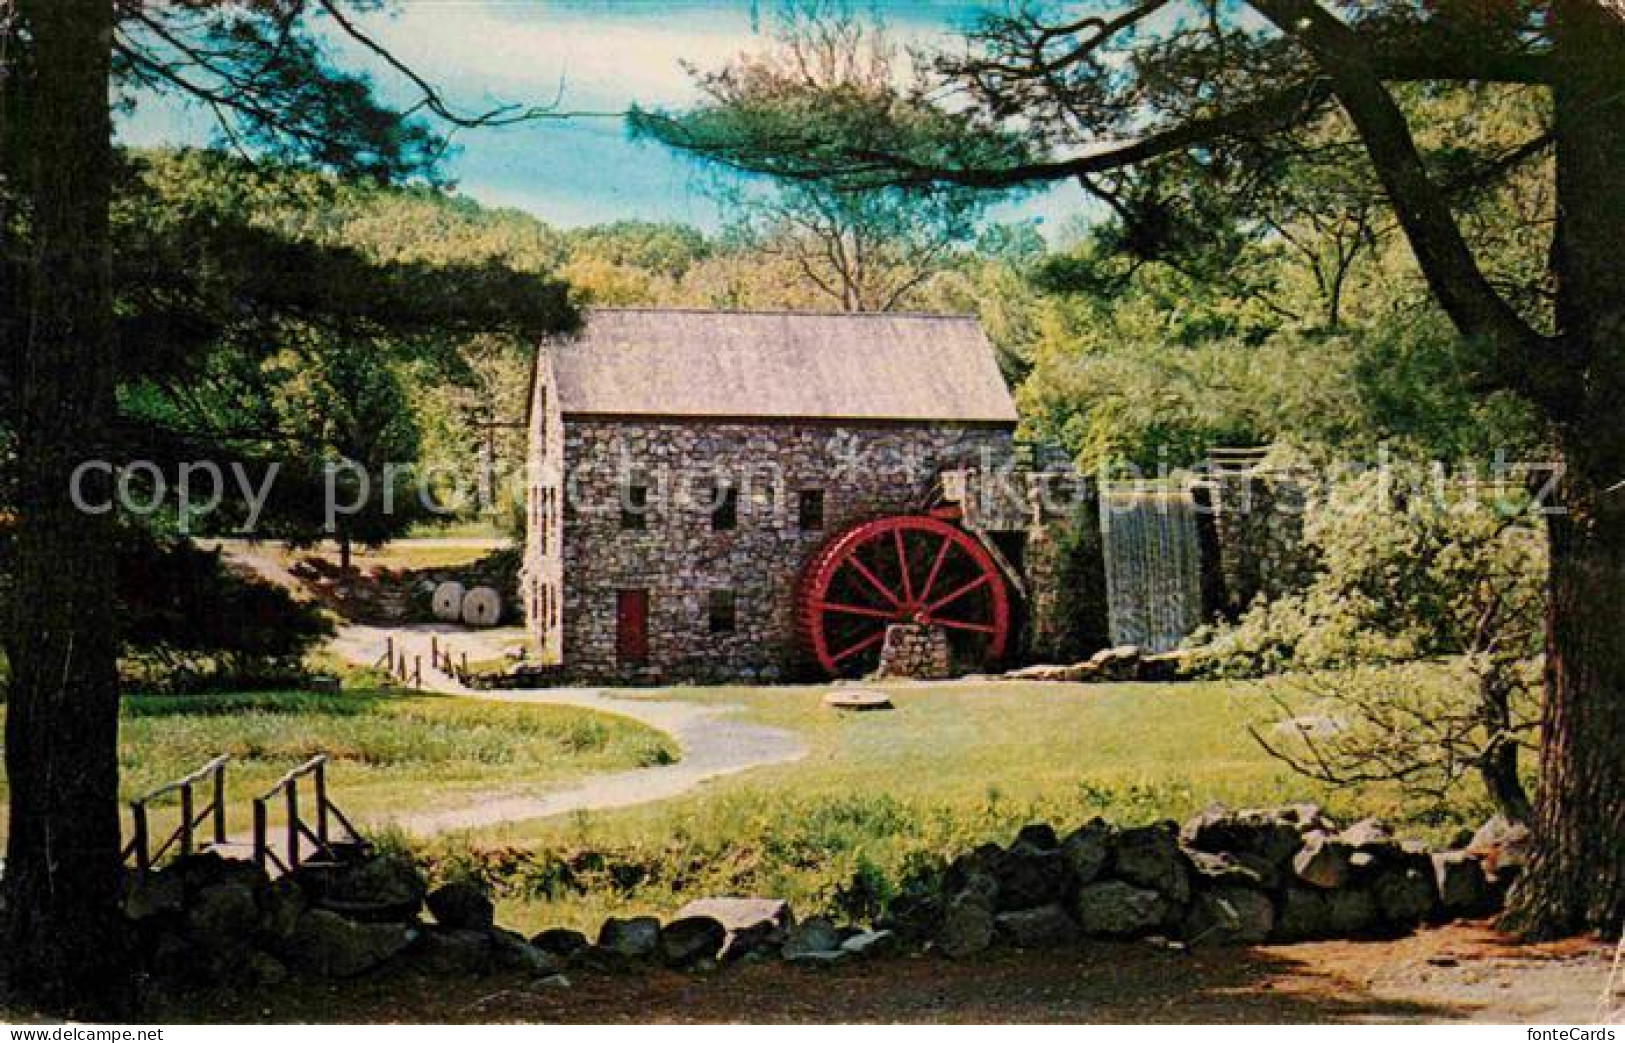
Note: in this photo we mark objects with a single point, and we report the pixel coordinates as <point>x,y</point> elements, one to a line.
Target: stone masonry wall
<point>541,580</point>
<point>914,651</point>
<point>678,557</point>
<point>1258,523</point>
<point>1066,580</point>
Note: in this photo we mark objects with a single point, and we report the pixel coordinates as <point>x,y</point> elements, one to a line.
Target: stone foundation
<point>1066,582</point>
<point>912,650</point>
<point>1258,527</point>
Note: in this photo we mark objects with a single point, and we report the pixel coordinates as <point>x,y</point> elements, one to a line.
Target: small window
<point>722,611</point>
<point>635,507</point>
<point>810,509</point>
<point>725,509</point>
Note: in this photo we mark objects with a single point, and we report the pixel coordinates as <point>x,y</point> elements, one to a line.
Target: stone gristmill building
<point>758,496</point>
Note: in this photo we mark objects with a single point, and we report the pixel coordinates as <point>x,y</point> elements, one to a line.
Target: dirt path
<point>1463,973</point>
<point>712,741</point>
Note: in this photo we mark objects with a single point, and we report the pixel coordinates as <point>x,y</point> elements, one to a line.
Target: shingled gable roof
<point>661,362</point>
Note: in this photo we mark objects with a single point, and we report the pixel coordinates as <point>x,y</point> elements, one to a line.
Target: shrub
<point>1411,567</point>
<point>188,623</point>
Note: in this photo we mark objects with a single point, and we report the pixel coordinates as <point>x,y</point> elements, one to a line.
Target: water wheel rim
<point>901,569</point>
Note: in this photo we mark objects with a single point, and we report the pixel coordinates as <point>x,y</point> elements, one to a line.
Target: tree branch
<point>876,168</point>
<point>1423,209</point>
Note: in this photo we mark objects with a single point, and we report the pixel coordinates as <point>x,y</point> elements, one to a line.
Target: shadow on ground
<point>1458,973</point>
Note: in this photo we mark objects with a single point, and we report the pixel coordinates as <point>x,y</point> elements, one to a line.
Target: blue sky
<point>593,55</point>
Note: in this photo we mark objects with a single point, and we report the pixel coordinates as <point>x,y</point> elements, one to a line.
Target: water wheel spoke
<point>874,580</point>
<point>961,624</point>
<point>936,567</point>
<point>902,565</point>
<point>868,642</point>
<point>855,610</point>
<point>958,592</point>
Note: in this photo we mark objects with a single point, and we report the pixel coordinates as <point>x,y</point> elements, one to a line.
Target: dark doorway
<point>632,626</point>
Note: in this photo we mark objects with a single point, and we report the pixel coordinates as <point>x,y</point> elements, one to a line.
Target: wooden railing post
<point>260,837</point>
<point>321,805</point>
<point>220,803</point>
<point>417,671</point>
<point>186,819</point>
<point>143,856</point>
<point>434,648</point>
<point>293,825</point>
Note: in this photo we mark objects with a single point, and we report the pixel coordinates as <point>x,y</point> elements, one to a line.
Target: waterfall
<point>1153,567</point>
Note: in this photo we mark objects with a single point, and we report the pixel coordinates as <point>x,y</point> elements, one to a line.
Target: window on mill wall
<point>722,500</point>
<point>635,507</point>
<point>722,611</point>
<point>810,509</point>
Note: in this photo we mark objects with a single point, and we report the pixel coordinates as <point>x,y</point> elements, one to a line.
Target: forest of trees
<point>1120,359</point>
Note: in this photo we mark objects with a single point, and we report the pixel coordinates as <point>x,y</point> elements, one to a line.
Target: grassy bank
<point>879,797</point>
<point>883,795</point>
<point>388,750</point>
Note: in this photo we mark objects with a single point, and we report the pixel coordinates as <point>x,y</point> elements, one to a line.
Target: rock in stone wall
<point>679,558</point>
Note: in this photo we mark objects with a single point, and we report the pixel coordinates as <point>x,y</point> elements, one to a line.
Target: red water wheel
<point>903,569</point>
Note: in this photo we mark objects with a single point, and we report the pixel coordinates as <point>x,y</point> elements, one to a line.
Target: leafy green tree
<point>348,405</point>
<point>315,373</point>
<point>264,69</point>
<point>1412,565</point>
<point>861,250</point>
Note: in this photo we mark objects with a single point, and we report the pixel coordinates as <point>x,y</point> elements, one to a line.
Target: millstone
<point>858,699</point>
<point>448,601</point>
<point>482,607</point>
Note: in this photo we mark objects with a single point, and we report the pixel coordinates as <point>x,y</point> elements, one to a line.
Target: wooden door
<point>632,626</point>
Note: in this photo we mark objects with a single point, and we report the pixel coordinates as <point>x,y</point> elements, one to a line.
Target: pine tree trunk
<point>64,937</point>
<point>1576,881</point>
<point>1577,878</point>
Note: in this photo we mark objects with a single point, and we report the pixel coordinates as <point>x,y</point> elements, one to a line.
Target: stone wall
<point>542,573</point>
<point>1250,537</point>
<point>678,557</point>
<point>1066,581</point>
<point>1258,529</point>
<point>1266,875</point>
<point>919,652</point>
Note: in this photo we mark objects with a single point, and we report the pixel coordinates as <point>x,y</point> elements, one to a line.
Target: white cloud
<point>603,53</point>
<point>526,51</point>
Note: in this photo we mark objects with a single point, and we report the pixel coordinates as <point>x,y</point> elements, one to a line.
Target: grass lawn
<point>482,529</point>
<point>880,797</point>
<point>888,793</point>
<point>387,750</point>
<point>400,555</point>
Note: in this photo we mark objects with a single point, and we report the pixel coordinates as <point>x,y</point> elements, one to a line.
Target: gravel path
<point>712,741</point>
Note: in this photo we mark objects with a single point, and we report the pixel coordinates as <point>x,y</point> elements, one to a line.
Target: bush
<point>188,623</point>
<point>1411,568</point>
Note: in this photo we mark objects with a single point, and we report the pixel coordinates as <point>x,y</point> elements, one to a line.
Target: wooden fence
<point>185,833</point>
